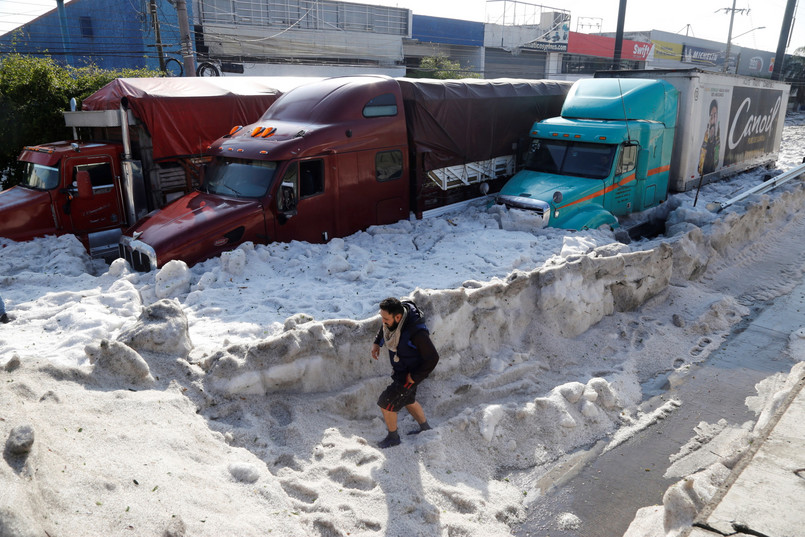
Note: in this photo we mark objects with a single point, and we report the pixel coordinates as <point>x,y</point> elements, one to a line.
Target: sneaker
<point>5,318</point>
<point>391,440</point>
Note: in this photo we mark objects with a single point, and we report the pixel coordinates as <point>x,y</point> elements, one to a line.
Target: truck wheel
<point>173,67</point>
<point>207,69</point>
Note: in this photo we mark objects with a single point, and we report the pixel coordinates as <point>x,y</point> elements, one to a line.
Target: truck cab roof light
<point>257,131</point>
<point>230,148</point>
<point>240,150</point>
<point>554,134</point>
<point>40,149</point>
<point>577,136</point>
<point>264,152</point>
<point>566,135</point>
<point>602,137</point>
<point>235,129</point>
<point>270,131</point>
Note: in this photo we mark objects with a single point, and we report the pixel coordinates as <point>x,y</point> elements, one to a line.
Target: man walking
<point>412,357</point>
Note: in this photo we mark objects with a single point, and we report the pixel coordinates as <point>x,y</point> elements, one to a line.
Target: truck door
<point>621,200</point>
<point>372,189</point>
<point>306,202</point>
<point>97,208</point>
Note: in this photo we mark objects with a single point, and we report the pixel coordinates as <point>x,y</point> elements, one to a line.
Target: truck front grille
<point>541,208</point>
<point>138,260</point>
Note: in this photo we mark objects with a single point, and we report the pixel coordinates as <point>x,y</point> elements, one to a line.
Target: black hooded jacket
<point>415,354</point>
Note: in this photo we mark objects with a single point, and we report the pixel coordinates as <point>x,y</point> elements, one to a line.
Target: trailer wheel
<point>173,67</point>
<point>207,69</point>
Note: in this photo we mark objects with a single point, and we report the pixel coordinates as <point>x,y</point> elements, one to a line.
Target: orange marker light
<point>269,132</point>
<point>235,129</point>
<point>257,131</point>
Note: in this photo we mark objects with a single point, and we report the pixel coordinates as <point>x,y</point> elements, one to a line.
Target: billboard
<point>702,56</point>
<point>665,50</point>
<point>753,117</point>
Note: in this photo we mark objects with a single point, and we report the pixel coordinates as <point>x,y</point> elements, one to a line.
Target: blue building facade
<point>448,31</point>
<point>110,34</point>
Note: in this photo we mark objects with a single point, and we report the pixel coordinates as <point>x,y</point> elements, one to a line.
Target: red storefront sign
<point>604,47</point>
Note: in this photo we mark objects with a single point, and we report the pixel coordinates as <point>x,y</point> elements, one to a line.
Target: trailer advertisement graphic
<point>754,113</point>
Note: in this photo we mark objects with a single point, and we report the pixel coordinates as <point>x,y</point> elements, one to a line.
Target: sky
<point>705,19</point>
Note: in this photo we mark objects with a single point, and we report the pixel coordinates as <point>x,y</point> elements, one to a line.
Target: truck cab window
<point>381,106</point>
<point>40,177</point>
<point>628,159</point>
<point>388,165</point>
<point>311,178</point>
<point>580,159</point>
<point>239,178</point>
<point>100,174</point>
<point>545,156</point>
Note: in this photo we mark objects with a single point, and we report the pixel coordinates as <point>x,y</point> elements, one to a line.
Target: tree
<point>794,74</point>
<point>33,93</point>
<point>441,67</point>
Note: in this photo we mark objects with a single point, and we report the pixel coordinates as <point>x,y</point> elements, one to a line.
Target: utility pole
<point>187,45</point>
<point>157,34</point>
<point>65,35</point>
<point>616,57</point>
<point>785,32</point>
<point>729,38</point>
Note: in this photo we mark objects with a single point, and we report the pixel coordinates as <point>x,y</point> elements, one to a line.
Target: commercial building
<point>330,37</point>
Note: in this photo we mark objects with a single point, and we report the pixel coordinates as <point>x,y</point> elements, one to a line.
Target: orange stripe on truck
<point>623,182</point>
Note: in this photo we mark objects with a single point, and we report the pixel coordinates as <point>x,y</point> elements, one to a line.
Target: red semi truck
<point>146,143</point>
<point>338,155</point>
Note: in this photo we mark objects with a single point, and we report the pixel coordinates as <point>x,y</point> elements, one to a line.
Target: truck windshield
<point>239,178</point>
<point>579,159</point>
<point>40,177</point>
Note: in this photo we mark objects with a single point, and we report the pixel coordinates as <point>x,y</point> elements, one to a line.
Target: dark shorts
<point>397,396</point>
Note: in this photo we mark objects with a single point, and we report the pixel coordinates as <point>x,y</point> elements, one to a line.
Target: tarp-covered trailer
<point>470,131</point>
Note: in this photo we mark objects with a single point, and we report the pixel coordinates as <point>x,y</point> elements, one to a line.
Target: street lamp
<point>748,31</point>
<point>730,39</point>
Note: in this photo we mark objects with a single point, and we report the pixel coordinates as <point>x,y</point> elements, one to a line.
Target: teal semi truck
<point>626,138</point>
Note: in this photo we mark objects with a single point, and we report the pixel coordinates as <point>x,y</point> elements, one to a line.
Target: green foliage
<point>33,93</point>
<point>441,67</point>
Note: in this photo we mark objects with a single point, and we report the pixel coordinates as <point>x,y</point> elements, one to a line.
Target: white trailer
<point>726,123</point>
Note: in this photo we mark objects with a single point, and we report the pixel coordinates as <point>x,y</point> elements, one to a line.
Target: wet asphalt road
<point>607,492</point>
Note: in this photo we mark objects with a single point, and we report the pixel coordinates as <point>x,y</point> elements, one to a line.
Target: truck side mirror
<point>84,183</point>
<point>287,200</point>
<point>642,164</point>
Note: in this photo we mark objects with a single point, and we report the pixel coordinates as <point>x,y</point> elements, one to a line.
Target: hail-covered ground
<point>237,397</point>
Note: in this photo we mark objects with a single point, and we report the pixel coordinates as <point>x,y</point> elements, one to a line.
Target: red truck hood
<point>196,226</point>
<point>25,214</point>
